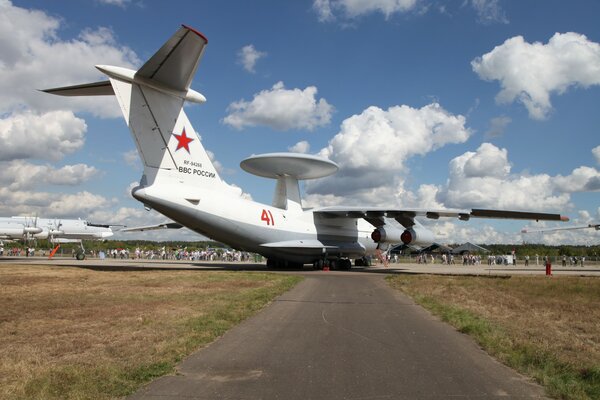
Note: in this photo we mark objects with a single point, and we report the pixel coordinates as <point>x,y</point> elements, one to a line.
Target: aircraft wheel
<point>80,255</point>
<point>345,264</point>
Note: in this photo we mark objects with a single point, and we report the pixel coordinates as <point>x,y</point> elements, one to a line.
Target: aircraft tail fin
<point>151,100</point>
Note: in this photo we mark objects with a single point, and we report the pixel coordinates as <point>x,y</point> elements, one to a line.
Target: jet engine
<point>389,234</point>
<point>417,235</point>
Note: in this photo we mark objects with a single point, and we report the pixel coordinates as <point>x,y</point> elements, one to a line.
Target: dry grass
<point>526,320</point>
<point>78,333</point>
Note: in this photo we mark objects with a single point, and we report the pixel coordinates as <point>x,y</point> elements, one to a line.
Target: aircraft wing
<point>376,215</point>
<point>164,225</point>
<point>175,63</point>
<point>566,228</point>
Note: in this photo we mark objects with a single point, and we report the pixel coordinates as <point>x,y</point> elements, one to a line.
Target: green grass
<point>513,340</point>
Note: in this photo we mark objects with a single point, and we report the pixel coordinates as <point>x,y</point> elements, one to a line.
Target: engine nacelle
<point>389,234</point>
<point>417,235</point>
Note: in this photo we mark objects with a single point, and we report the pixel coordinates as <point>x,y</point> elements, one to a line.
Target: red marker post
<point>548,267</point>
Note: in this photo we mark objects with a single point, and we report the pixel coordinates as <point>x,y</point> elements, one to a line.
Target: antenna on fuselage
<point>288,169</point>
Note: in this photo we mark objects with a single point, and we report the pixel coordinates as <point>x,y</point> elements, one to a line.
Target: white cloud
<point>300,147</point>
<point>281,109</point>
<point>29,43</point>
<point>582,179</point>
<point>482,179</point>
<point>18,175</point>
<point>382,140</point>
<point>119,3</point>
<point>488,161</point>
<point>47,136</point>
<point>531,72</point>
<point>372,149</point>
<point>596,153</point>
<point>47,204</point>
<point>489,11</point>
<point>248,56</point>
<point>326,9</point>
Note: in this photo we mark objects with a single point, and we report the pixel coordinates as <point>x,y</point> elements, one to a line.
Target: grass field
<point>73,333</point>
<point>546,328</point>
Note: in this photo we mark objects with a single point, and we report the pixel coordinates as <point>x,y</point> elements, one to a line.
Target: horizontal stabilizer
<point>102,88</point>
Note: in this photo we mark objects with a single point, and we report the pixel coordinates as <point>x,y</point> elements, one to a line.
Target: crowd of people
<point>164,253</point>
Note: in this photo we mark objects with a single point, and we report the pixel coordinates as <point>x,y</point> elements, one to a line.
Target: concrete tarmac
<point>341,336</point>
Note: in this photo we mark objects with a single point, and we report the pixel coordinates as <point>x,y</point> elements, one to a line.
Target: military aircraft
<point>565,228</point>
<point>54,230</point>
<point>181,182</point>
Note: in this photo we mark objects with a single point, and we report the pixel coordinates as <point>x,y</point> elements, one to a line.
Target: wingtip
<point>196,32</point>
<point>564,218</point>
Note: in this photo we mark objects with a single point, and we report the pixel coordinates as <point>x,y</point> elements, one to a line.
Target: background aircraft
<point>181,182</point>
<point>54,230</point>
<point>565,228</point>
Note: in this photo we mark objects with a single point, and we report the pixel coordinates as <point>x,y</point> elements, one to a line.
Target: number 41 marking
<point>267,217</point>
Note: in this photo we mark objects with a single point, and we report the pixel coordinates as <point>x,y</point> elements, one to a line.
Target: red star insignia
<point>183,141</point>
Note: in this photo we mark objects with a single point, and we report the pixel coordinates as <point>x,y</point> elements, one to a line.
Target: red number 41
<point>267,217</point>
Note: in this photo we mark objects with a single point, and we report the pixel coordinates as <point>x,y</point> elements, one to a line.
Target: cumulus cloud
<point>482,179</point>
<point>29,43</point>
<point>281,109</point>
<point>327,9</point>
<point>531,72</point>
<point>582,179</point>
<point>248,56</point>
<point>47,136</point>
<point>75,205</point>
<point>372,149</point>
<point>19,175</point>
<point>300,147</point>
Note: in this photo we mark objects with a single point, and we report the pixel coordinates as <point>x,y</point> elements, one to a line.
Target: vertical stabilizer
<point>151,100</point>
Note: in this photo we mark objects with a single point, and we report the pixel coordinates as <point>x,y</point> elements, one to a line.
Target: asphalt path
<point>341,335</point>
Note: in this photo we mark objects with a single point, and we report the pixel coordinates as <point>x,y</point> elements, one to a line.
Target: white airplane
<point>54,230</point>
<point>565,228</point>
<point>181,182</point>
<point>18,228</point>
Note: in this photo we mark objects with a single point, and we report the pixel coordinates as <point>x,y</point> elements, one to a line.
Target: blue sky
<point>422,103</point>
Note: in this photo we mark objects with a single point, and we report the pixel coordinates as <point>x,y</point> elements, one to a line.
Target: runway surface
<point>341,336</point>
<point>590,269</point>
